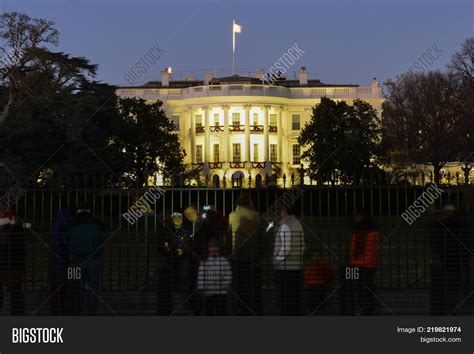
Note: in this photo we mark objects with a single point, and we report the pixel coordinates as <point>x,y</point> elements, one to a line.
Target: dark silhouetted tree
<point>422,121</point>
<point>342,142</point>
<point>148,141</point>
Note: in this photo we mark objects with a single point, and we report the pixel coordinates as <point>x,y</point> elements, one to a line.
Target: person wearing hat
<point>12,260</point>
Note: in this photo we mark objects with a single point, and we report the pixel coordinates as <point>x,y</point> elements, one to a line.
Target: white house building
<point>240,126</point>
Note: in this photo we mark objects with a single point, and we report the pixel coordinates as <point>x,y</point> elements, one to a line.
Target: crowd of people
<point>205,257</point>
<point>213,256</point>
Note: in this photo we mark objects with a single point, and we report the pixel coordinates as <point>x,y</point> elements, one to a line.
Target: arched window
<point>215,181</point>
<point>237,179</point>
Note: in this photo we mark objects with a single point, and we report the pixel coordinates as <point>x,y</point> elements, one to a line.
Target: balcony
<point>258,165</point>
<point>215,165</point>
<point>236,128</point>
<point>216,128</point>
<point>256,128</point>
<point>238,164</point>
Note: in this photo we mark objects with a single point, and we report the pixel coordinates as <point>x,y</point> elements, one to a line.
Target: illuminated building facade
<point>239,126</point>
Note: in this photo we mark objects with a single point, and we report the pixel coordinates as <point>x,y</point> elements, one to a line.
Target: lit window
<point>198,120</point>
<point>216,152</point>
<point>273,153</point>
<point>255,153</point>
<point>216,119</point>
<point>235,152</point>
<point>235,118</point>
<point>296,154</point>
<point>175,120</point>
<point>255,119</point>
<point>273,120</point>
<point>295,122</point>
<point>198,153</point>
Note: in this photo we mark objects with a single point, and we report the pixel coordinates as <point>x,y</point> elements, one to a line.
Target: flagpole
<point>233,48</point>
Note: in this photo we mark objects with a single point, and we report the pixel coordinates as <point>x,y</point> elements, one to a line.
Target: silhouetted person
<point>246,254</point>
<point>208,227</point>
<point>58,264</point>
<point>365,259</point>
<point>451,255</point>
<point>86,238</point>
<point>214,280</point>
<point>288,261</point>
<point>173,276</point>
<point>165,278</point>
<point>12,261</point>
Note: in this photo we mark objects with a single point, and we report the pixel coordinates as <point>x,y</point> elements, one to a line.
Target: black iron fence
<point>133,251</point>
<point>38,203</point>
<point>137,277</point>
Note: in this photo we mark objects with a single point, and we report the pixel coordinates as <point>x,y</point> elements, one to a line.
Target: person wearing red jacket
<point>365,244</point>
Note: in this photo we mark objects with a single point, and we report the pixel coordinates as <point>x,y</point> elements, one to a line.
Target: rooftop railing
<point>250,90</point>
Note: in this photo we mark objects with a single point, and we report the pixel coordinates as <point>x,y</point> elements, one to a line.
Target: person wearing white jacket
<point>288,261</point>
<point>214,280</point>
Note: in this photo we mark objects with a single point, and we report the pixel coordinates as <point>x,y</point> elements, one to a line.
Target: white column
<point>225,145</point>
<point>247,134</point>
<point>207,142</point>
<point>266,139</point>
<point>280,133</point>
<point>192,133</point>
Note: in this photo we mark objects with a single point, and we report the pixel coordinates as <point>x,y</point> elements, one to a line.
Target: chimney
<point>375,83</point>
<point>166,76</point>
<point>207,77</point>
<point>260,74</point>
<point>376,88</point>
<point>303,76</point>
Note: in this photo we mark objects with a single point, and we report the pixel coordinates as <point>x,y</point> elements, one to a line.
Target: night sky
<point>344,42</point>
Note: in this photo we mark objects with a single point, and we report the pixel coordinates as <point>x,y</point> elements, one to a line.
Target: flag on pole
<point>236,28</point>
